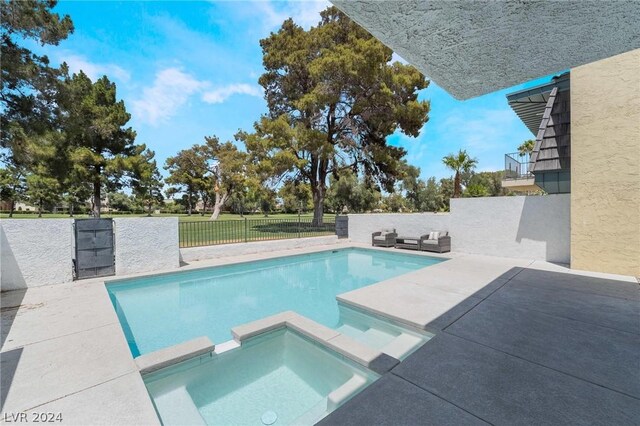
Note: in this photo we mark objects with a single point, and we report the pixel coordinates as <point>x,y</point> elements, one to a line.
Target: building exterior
<point>545,110</point>
<point>600,102</point>
<point>605,170</point>
<point>586,122</point>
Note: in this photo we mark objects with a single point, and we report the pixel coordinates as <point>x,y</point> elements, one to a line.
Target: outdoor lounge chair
<point>437,241</point>
<point>384,238</point>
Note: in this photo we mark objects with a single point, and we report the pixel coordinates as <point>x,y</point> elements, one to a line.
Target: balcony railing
<point>516,166</point>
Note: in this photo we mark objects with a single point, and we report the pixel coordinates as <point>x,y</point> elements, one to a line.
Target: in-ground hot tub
<point>279,378</point>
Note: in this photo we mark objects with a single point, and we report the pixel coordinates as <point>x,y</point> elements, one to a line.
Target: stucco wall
<point>192,254</point>
<point>362,225</point>
<point>605,165</point>
<point>529,227</point>
<point>35,252</point>
<point>146,244</point>
<point>524,227</point>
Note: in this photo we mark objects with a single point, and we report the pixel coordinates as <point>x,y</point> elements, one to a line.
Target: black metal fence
<point>206,233</point>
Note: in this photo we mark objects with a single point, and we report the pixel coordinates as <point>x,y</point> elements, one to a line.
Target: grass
<point>193,234</point>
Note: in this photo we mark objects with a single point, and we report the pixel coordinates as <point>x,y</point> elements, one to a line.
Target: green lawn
<point>255,228</point>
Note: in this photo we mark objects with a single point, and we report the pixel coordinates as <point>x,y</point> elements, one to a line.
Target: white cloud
<point>170,90</point>
<point>271,14</point>
<point>94,70</point>
<point>306,13</point>
<point>221,94</point>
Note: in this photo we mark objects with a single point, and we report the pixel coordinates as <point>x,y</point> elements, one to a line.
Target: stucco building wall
<point>146,244</point>
<point>534,227</point>
<point>35,252</point>
<point>528,227</point>
<point>605,165</point>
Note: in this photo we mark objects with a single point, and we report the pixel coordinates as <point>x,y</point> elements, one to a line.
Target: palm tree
<point>526,147</point>
<point>460,162</point>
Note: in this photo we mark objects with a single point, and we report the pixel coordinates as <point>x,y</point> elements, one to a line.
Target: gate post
<point>342,226</point>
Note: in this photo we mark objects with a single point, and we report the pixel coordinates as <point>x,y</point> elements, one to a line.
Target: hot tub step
<point>402,345</point>
<point>177,408</point>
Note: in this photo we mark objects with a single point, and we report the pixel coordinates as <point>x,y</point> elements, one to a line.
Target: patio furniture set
<point>436,241</point>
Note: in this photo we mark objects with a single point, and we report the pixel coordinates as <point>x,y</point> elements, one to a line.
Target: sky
<point>190,69</point>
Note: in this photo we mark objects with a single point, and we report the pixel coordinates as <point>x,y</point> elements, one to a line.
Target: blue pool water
<point>279,375</point>
<point>160,311</point>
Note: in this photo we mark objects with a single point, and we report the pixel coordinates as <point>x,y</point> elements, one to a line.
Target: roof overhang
<point>529,104</point>
<point>474,48</point>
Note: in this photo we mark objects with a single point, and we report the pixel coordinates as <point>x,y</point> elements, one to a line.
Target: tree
<point>228,169</point>
<point>526,147</point>
<point>76,188</point>
<point>29,103</point>
<point>490,182</point>
<point>266,200</point>
<point>413,186</point>
<point>350,193</point>
<point>432,199</point>
<point>395,202</point>
<point>333,98</point>
<point>146,181</point>
<point>12,186</point>
<point>42,190</point>
<point>187,171</point>
<point>459,163</point>
<point>99,142</point>
<point>121,202</point>
<point>446,190</point>
<point>295,196</point>
<point>476,190</point>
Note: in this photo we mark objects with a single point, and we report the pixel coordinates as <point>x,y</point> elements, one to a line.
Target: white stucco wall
<point>146,244</point>
<point>362,225</point>
<point>192,254</point>
<point>530,227</point>
<point>35,252</point>
<point>536,227</point>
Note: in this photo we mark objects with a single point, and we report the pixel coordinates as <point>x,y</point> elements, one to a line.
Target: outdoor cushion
<point>379,238</point>
<point>432,242</point>
<point>388,231</point>
<point>434,235</point>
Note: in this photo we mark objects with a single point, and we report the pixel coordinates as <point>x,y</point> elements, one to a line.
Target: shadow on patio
<point>543,347</point>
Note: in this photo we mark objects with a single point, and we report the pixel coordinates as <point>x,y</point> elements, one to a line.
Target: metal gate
<point>94,248</point>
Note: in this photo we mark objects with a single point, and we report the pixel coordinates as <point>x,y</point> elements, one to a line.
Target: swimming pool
<point>160,311</point>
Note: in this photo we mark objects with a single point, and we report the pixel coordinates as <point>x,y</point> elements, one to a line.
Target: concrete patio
<point>517,342</point>
<point>531,347</point>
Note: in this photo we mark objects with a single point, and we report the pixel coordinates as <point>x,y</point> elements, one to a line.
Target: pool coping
<point>346,346</point>
<point>330,339</point>
<point>162,358</point>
